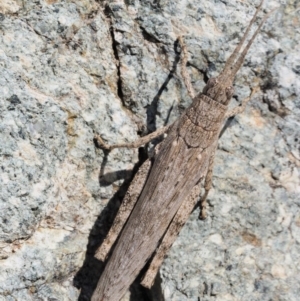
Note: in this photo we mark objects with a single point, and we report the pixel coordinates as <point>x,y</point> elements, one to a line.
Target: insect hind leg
<point>127,205</point>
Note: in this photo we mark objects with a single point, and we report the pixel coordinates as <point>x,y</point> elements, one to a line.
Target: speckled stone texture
<point>69,69</point>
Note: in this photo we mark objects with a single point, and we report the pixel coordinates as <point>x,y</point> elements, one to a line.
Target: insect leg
<point>184,73</point>
<point>135,144</point>
<point>127,205</point>
<point>175,226</point>
<point>242,107</point>
<point>207,185</point>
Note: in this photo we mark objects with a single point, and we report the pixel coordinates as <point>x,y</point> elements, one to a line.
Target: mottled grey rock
<point>72,68</point>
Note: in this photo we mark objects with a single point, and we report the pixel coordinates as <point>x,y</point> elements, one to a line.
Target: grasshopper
<point>165,190</point>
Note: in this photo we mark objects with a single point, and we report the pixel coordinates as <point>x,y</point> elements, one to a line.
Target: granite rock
<point>70,69</point>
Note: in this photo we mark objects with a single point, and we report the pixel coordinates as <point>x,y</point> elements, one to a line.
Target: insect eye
<point>229,92</point>
<point>212,81</point>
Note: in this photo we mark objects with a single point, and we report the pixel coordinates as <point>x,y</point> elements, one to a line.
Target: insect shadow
<point>87,277</point>
<point>89,274</point>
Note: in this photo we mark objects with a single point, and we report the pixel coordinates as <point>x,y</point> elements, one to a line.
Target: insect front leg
<point>127,205</point>
<point>184,73</point>
<point>172,232</point>
<point>135,144</point>
<point>242,107</point>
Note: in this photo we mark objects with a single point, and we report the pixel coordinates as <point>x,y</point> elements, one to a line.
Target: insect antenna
<point>236,51</point>
<point>240,60</point>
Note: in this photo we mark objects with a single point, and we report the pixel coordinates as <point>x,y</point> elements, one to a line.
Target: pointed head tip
<point>226,76</point>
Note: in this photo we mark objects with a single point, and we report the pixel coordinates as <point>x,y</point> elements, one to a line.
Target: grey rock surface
<point>72,68</point>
